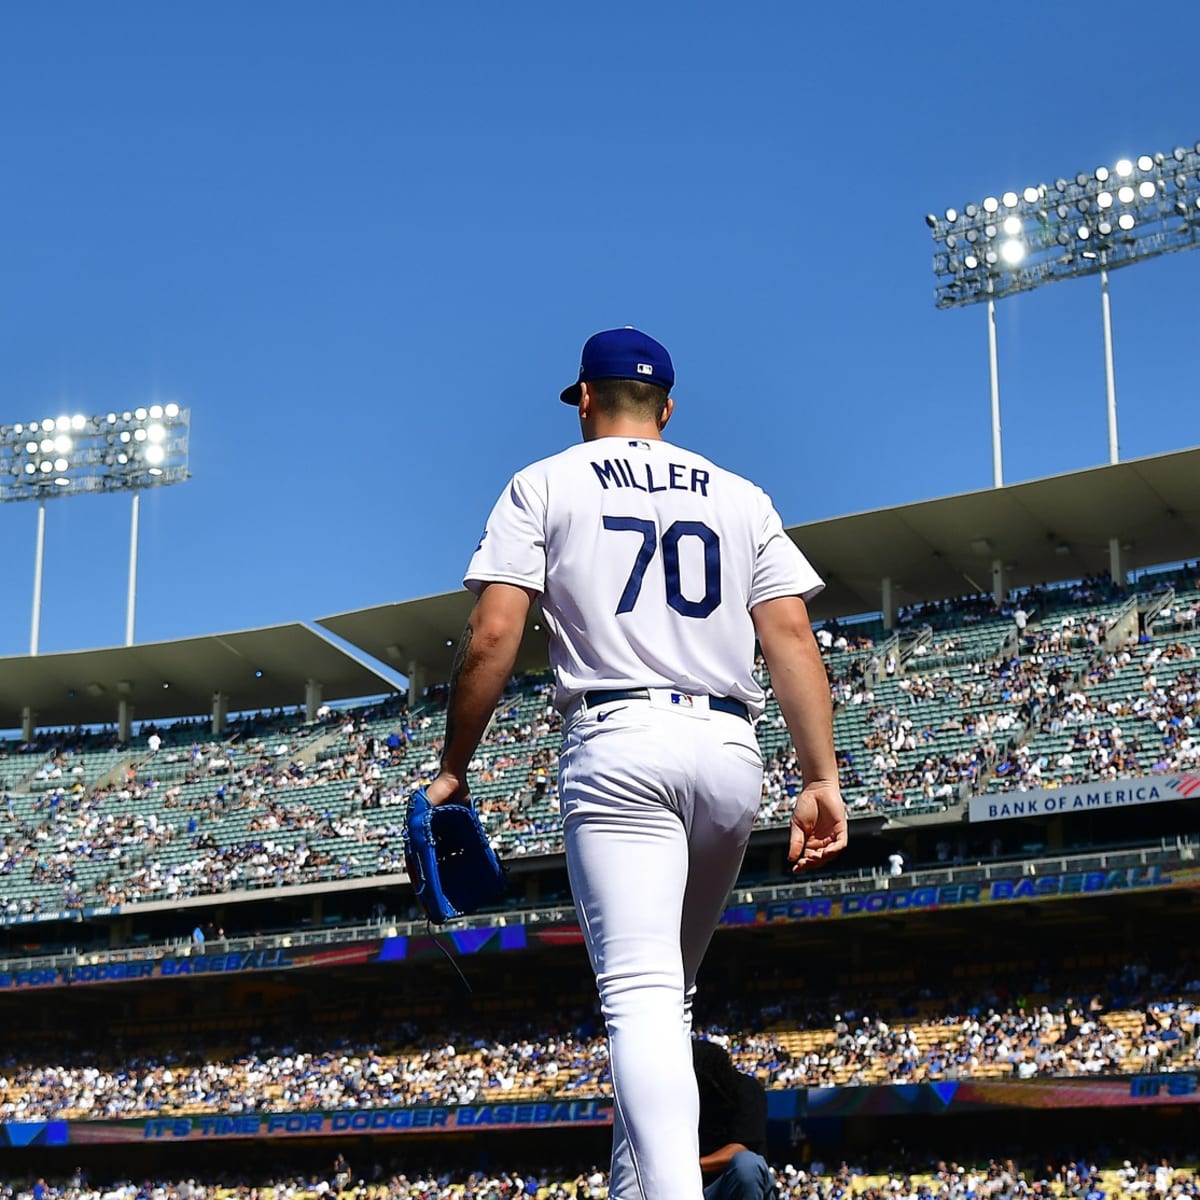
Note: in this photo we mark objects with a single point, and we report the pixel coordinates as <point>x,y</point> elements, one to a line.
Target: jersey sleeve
<point>779,567</point>
<point>513,546</point>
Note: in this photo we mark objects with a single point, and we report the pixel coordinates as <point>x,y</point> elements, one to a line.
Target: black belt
<point>723,704</point>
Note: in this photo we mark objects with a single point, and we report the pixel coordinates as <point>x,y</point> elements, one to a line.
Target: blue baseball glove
<point>453,868</point>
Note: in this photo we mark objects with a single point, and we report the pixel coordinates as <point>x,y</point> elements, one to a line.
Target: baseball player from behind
<point>655,570</point>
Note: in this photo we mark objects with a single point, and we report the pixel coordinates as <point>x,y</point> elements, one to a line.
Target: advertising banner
<point>896,897</point>
<point>1083,797</point>
<point>783,1104</point>
<point>188,962</point>
<point>990,1095</point>
<point>931,897</point>
<point>358,1122</point>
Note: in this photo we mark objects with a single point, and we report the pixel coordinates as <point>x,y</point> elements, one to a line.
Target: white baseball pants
<point>657,803</point>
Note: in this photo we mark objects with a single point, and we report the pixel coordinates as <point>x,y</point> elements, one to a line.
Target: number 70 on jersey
<point>675,533</point>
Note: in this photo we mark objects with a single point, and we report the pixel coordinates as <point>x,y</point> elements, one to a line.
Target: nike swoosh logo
<point>608,712</point>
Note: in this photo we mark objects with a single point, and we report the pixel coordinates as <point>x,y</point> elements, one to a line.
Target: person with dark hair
<point>733,1127</point>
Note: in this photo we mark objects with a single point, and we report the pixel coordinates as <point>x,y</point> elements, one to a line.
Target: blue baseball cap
<point>622,354</point>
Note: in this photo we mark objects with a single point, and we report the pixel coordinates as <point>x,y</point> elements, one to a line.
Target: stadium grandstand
<point>213,981</point>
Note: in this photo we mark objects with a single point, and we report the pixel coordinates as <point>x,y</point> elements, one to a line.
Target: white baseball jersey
<point>648,559</point>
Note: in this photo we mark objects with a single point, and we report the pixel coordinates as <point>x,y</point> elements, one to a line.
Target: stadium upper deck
<point>938,701</point>
<point>1084,691</point>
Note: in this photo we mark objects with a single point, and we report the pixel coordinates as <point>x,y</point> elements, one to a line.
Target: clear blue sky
<point>365,242</point>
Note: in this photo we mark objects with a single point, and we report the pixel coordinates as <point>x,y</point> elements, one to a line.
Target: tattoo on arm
<point>460,657</point>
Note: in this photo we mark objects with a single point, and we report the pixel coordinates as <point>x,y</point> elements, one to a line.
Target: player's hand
<point>448,787</point>
<point>818,827</point>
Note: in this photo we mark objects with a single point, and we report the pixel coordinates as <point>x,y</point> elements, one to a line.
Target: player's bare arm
<point>802,691</point>
<point>483,663</point>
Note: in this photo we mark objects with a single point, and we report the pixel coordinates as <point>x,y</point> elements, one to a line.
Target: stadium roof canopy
<point>1044,531</point>
<point>162,680</point>
<point>425,632</point>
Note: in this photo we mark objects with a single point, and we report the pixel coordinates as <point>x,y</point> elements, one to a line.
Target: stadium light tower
<point>1088,225</point>
<point>73,455</point>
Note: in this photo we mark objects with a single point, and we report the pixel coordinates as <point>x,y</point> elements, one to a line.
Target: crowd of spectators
<point>977,607</point>
<point>1093,731</point>
<point>943,732</point>
<point>1018,1036</point>
<point>168,824</point>
<point>999,1179</point>
<point>1145,1177</point>
<point>1022,1043</point>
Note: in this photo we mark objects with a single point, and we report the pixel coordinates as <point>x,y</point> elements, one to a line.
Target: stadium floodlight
<point>72,455</point>
<point>1090,224</point>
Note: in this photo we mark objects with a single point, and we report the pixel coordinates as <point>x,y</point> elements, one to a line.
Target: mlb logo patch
<point>682,700</point>
<point>645,369</point>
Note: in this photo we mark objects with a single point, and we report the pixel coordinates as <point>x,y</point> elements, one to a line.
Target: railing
<point>316,879</point>
<point>875,668</point>
<point>1010,644</point>
<point>923,638</point>
<point>1181,1052</point>
<point>1116,632</point>
<point>1163,851</point>
<point>185,947</point>
<point>1152,603</point>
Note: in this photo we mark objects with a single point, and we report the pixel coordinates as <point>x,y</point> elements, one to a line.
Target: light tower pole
<point>1088,225</point>
<point>74,455</point>
<point>38,559</point>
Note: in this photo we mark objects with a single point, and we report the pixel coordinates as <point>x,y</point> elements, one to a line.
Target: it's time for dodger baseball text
<point>620,472</point>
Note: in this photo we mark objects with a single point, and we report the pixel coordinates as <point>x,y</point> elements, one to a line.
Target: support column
<point>220,710</point>
<point>999,581</point>
<point>312,700</point>
<point>27,724</point>
<point>416,682</point>
<point>124,720</point>
<point>887,603</point>
<point>1116,565</point>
